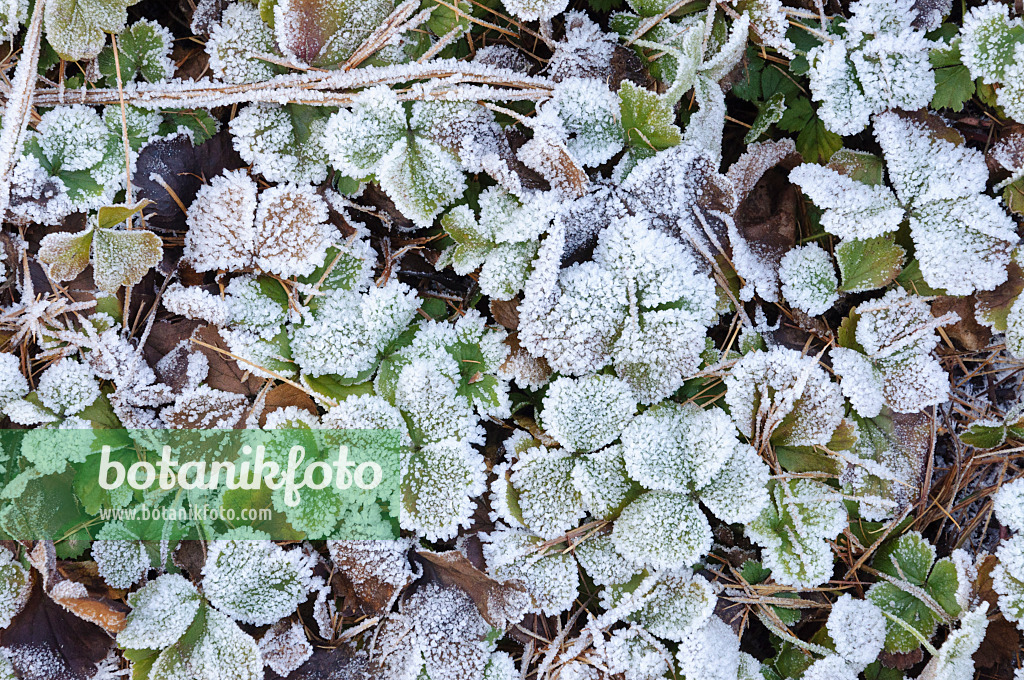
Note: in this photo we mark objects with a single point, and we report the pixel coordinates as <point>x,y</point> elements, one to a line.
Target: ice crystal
<point>585,51</point>
<point>784,396</point>
<point>992,48</point>
<point>955,660</point>
<point>282,143</point>
<point>255,582</point>
<point>1009,505</point>
<point>418,174</point>
<point>794,531</point>
<point>217,647</point>
<point>547,501</point>
<point>636,656</point>
<point>602,481</point>
<point>879,62</point>
<point>893,365</point>
<point>809,279</point>
<point>585,113</point>
<point>236,42</point>
<point>13,384</point>
<point>603,563</point>
<point>12,16</point>
<point>1008,579</point>
<point>853,210</point>
<point>531,10</point>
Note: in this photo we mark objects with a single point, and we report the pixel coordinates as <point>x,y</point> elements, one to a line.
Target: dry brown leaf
<point>501,603</point>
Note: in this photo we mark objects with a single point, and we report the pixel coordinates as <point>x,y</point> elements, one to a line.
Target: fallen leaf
<point>501,603</point>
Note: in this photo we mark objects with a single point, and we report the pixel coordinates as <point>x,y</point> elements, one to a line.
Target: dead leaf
<point>506,313</point>
<point>967,332</point>
<point>1002,639</point>
<point>225,373</point>
<point>286,395</point>
<point>75,589</point>
<point>501,603</point>
<point>370,574</point>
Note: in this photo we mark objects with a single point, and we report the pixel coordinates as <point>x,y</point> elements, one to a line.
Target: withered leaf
<point>501,603</point>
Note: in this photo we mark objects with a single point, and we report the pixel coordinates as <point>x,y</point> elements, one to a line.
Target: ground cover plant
<point>700,322</point>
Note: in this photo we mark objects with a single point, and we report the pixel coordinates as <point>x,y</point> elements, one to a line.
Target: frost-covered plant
<point>878,61</point>
<point>255,582</point>
<point>640,305</point>
<point>502,241</point>
<point>914,588</point>
<point>809,279</point>
<point>120,557</point>
<point>713,651</point>
<point>236,44</point>
<point>783,396</point>
<point>65,389</point>
<point>992,47</point>
<point>282,143</point>
<point>1008,575</point>
<point>795,528</point>
<point>962,238</point>
<point>283,230</point>
<point>551,577</point>
<point>15,587</point>
<point>885,355</point>
<point>402,147</point>
<point>144,49</point>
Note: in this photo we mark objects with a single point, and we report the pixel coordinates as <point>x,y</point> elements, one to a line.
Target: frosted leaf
<point>120,557</point>
<point>783,395</point>
<point>72,137</point>
<point>13,384</point>
<point>662,531</point>
<point>769,21</point>
<point>636,656</point>
<point>983,235</point>
<point>193,302</point>
<point>1008,579</point>
<point>292,230</point>
<point>677,604</point>
<point>585,414</point>
<point>857,629</point>
<point>439,484</point>
<point>889,458</point>
<point>77,29</point>
<point>585,51</point>
<point>282,143</point>
<point>1009,505</point>
<point>739,492</point>
<point>324,33</point>
<point>602,563</point>
<point>221,223</point>
<point>500,666</point>
<point>832,667</point>
<point>531,10</point>
<point>853,210</point>
<point>15,587</point>
<point>255,582</point>
<point>145,48</point>
<point>602,482</point>
<point>12,15</point>
<point>364,412</point>
<point>548,502</point>
<point>205,408</point>
<point>357,140</point>
<point>989,39</point>
<point>162,611</point>
<point>712,652</point>
<point>681,448</point>
<point>793,531</point>
<point>587,112</point>
<point>421,178</point>
<point>122,257</point>
<point>235,42</point>
<point>897,332</point>
<point>955,660</point>
<point>284,647</point>
<point>67,387</point>
<point>35,196</point>
<point>809,279</point>
<point>348,330</point>
<point>215,649</point>
<point>551,578</point>
<point>880,62</point>
<point>254,303</point>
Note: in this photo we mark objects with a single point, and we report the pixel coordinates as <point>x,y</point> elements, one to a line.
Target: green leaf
<point>113,215</point>
<point>1013,196</point>
<point>66,254</point>
<point>122,258</point>
<point>799,459</point>
<point>815,143</point>
<point>144,49</point>
<point>754,572</point>
<point>983,435</point>
<point>447,16</point>
<point>199,121</point>
<point>647,119</point>
<point>858,165</point>
<point>799,113</point>
<point>77,28</point>
<point>953,83</point>
<point>868,264</point>
<point>421,178</point>
<point>913,281</point>
<point>942,586</point>
<point>212,645</point>
<point>876,671</point>
<point>339,389</point>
